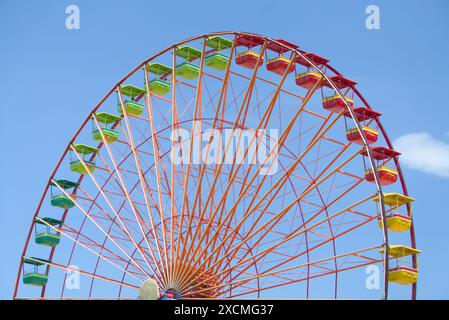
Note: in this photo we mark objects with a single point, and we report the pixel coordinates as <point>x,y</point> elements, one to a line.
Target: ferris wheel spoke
<point>106,216</point>
<point>234,177</point>
<point>278,184</point>
<point>174,128</point>
<point>144,188</point>
<point>214,240</point>
<point>221,102</point>
<point>156,157</point>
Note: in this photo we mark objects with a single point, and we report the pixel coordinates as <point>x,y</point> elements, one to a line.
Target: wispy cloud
<point>423,152</point>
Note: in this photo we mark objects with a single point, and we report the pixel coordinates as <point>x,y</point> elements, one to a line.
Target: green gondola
<point>132,107</point>
<point>131,91</point>
<point>217,61</point>
<point>59,199</point>
<point>187,70</point>
<point>76,165</point>
<point>188,53</point>
<point>160,87</point>
<point>111,135</point>
<point>218,43</point>
<point>35,276</point>
<point>44,234</point>
<point>159,68</point>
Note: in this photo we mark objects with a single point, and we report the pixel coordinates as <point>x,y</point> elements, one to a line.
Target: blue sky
<point>50,78</point>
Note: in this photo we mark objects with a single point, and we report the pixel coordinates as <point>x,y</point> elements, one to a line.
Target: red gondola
<point>280,64</point>
<point>336,104</point>
<point>248,59</point>
<point>354,135</point>
<point>308,79</point>
<point>386,175</point>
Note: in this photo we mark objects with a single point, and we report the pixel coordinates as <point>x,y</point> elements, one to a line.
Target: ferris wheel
<point>228,165</point>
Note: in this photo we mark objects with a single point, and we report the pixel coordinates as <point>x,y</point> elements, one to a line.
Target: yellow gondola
<point>402,272</point>
<point>396,221</point>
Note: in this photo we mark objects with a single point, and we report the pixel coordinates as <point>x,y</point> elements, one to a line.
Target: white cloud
<point>422,152</point>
